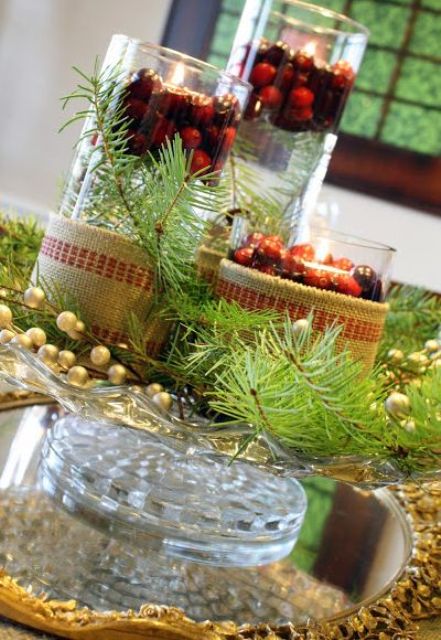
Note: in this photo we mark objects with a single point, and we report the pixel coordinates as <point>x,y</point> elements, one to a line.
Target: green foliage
<point>414,317</point>
<point>20,241</point>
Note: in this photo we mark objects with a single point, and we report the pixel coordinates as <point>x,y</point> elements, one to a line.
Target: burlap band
<point>208,261</point>
<point>362,320</point>
<point>105,273</point>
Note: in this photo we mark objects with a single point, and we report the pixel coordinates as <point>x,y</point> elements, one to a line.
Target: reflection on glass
<point>352,545</point>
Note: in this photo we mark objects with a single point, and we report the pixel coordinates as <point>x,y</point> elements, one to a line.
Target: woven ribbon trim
<point>103,265</point>
<point>362,320</point>
<point>106,274</point>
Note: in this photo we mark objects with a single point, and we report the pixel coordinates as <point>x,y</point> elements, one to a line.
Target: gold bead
<point>34,297</point>
<point>153,389</point>
<point>397,404</point>
<point>78,332</point>
<point>300,326</point>
<point>66,321</point>
<point>395,355</point>
<point>66,359</point>
<point>77,376</point>
<point>163,400</point>
<point>117,374</point>
<point>23,340</point>
<point>432,346</point>
<point>37,336</point>
<point>409,425</point>
<point>5,316</point>
<point>100,355</point>
<point>48,353</point>
<point>6,336</point>
<point>3,293</point>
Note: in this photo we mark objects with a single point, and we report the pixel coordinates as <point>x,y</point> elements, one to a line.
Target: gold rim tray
<point>415,596</point>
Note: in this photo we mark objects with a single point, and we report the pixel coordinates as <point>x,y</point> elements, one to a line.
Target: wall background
<point>41,40</point>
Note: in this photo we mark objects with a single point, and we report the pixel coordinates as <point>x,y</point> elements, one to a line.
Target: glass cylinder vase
<point>154,93</point>
<point>302,62</point>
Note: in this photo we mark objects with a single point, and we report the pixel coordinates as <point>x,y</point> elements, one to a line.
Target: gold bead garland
<point>34,297</point>
<point>37,335</point>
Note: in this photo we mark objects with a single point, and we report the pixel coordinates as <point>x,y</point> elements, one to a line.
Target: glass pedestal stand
<point>134,485</point>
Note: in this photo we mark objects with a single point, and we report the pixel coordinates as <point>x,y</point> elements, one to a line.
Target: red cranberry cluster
<point>300,263</point>
<point>298,94</point>
<point>157,111</point>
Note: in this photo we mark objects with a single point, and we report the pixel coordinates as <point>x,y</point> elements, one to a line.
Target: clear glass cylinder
<point>319,258</point>
<point>302,62</point>
<point>161,93</point>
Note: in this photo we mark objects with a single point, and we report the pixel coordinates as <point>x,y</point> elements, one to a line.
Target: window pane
<point>376,70</point>
<point>387,23</point>
<point>413,128</point>
<point>426,36</point>
<point>361,115</point>
<point>420,81</point>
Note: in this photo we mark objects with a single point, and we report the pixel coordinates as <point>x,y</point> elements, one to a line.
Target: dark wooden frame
<point>359,164</point>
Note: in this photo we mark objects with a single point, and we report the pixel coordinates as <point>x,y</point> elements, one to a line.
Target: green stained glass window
<point>397,96</point>
<point>362,114</point>
<point>386,22</point>
<point>376,70</point>
<point>413,128</point>
<point>420,81</point>
<point>427,30</point>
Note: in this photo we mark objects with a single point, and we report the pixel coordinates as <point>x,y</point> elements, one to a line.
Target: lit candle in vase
<point>182,101</point>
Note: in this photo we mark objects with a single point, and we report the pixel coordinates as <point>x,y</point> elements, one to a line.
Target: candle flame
<point>310,48</point>
<point>178,74</point>
<point>322,250</point>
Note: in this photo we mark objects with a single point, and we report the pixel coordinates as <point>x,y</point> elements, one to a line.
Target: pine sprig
<point>414,317</point>
<point>298,387</point>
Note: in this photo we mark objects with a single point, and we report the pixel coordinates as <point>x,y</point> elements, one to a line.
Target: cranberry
<point>191,137</point>
<point>303,61</point>
<point>287,77</point>
<point>301,97</point>
<point>304,251</point>
<point>365,276</point>
<point>344,283</point>
<point>254,239</point>
<point>344,264</point>
<point>300,80</point>
<point>292,265</point>
<point>270,96</point>
<point>212,135</point>
<point>144,82</point>
<point>320,278</point>
<point>277,239</point>
<point>162,130</point>
<point>262,74</point>
<point>270,249</point>
<point>200,161</point>
<point>269,269</point>
<point>301,115</point>
<point>275,53</point>
<point>327,259</point>
<point>253,108</point>
<point>228,137</point>
<point>343,71</point>
<point>244,256</point>
<point>136,109</point>
<point>202,111</point>
<point>174,103</point>
<point>137,142</point>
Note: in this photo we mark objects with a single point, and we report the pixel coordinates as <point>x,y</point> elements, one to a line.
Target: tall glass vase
<point>302,62</point>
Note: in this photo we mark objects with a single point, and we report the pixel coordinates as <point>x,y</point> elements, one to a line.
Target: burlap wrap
<point>107,275</point>
<point>207,262</point>
<point>362,320</point>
